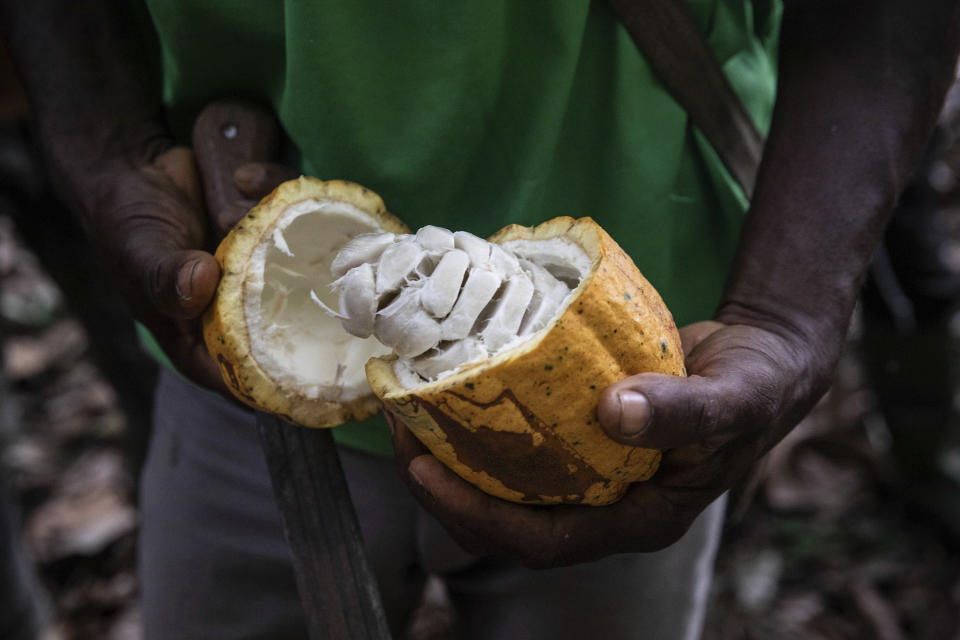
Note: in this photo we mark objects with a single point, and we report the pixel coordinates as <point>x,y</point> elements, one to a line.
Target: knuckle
<point>764,401</point>
<point>541,558</point>
<point>711,417</point>
<point>755,398</point>
<point>154,280</point>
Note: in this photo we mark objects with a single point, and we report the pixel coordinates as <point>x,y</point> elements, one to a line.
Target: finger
<point>255,180</point>
<point>180,283</point>
<point>408,448</point>
<point>179,165</point>
<point>481,523</point>
<point>744,382</point>
<point>390,418</point>
<point>693,334</point>
<point>424,476</point>
<point>652,517</point>
<point>454,502</point>
<point>153,233</point>
<point>687,471</point>
<point>635,410</point>
<point>536,536</point>
<point>662,412</point>
<point>649,518</point>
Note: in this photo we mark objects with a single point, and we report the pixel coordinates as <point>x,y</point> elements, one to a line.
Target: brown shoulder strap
<point>678,53</point>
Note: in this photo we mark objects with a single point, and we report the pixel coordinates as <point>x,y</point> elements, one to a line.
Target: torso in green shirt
<point>472,115</point>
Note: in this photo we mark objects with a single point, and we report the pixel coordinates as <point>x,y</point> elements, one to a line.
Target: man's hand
<point>856,99</point>
<point>151,225</point>
<point>747,387</point>
<point>739,400</point>
<point>98,111</point>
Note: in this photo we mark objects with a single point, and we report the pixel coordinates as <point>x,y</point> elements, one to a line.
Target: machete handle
<point>228,134</point>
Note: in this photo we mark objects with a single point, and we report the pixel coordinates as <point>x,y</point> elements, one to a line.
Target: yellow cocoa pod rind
<point>226,330</point>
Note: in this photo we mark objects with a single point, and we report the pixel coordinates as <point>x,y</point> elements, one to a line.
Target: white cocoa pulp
<point>442,299</point>
<point>297,345</point>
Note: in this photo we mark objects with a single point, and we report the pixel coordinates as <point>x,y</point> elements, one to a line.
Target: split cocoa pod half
<point>277,350</point>
<point>493,353</point>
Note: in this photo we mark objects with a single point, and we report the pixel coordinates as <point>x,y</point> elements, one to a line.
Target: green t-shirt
<point>472,115</point>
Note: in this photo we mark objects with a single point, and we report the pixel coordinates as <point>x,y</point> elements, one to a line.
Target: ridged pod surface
<point>231,328</point>
<point>522,425</point>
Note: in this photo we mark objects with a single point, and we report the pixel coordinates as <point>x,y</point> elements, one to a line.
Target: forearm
<point>861,83</point>
<point>93,87</point>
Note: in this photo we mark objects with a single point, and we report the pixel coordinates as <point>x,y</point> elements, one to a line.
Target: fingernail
<point>417,479</point>
<point>184,283</point>
<point>635,412</point>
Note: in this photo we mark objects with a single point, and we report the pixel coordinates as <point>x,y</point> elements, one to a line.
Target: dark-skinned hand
<point>745,391</point>
<point>841,144</point>
<point>152,227</point>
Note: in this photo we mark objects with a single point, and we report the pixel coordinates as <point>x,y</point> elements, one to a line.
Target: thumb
<point>181,283</point>
<point>659,411</point>
<point>743,380</point>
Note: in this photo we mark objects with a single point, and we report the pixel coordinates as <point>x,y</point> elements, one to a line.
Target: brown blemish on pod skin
<point>536,463</point>
<point>227,367</point>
